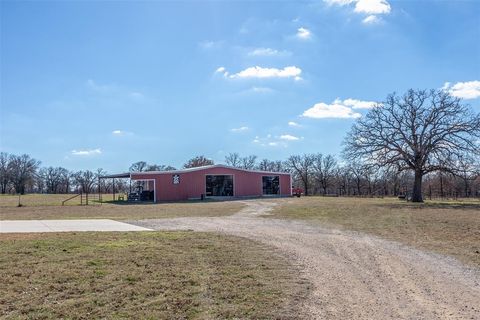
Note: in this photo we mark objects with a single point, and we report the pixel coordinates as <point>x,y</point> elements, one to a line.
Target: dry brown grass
<point>144,275</point>
<point>35,199</point>
<point>451,228</point>
<point>123,211</point>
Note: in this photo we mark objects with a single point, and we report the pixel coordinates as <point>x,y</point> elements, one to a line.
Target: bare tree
<point>5,172</point>
<point>272,166</point>
<point>86,180</point>
<point>198,161</point>
<point>67,178</point>
<point>23,169</point>
<point>356,171</point>
<point>302,167</point>
<point>248,162</point>
<point>421,131</point>
<point>233,159</point>
<point>139,166</point>
<point>52,178</point>
<point>467,169</point>
<point>159,167</point>
<point>325,167</point>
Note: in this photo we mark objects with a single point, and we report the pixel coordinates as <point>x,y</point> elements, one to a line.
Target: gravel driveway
<point>354,276</point>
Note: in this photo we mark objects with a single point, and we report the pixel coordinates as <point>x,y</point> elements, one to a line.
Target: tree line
<point>316,174</point>
<point>421,143</point>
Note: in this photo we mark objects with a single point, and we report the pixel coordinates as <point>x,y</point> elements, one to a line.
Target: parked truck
<point>297,192</point>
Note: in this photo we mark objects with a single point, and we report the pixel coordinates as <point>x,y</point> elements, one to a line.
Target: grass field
<point>447,227</point>
<point>37,199</point>
<point>144,275</point>
<point>34,199</point>
<point>121,211</point>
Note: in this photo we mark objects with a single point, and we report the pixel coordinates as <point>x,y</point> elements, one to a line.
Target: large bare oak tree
<point>422,131</point>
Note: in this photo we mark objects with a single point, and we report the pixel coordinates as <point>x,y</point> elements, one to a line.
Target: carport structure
<point>147,186</point>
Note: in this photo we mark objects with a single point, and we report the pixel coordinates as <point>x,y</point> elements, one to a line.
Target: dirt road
<point>354,276</point>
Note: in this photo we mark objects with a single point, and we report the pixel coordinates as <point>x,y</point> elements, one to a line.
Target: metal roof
<point>118,175</point>
<point>130,174</point>
<point>207,167</point>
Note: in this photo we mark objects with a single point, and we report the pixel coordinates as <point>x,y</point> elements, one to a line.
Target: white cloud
<point>372,19</point>
<point>464,90</point>
<point>293,124</point>
<point>268,52</point>
<point>121,133</point>
<point>91,152</point>
<point>262,90</point>
<point>264,52</point>
<point>358,104</point>
<point>260,72</point>
<point>372,6</point>
<point>222,70</point>
<point>289,137</point>
<point>275,141</point>
<point>368,7</point>
<point>335,110</point>
<point>304,33</point>
<point>241,129</point>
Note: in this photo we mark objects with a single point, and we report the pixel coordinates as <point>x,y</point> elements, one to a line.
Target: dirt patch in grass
<point>451,228</point>
<point>122,212</point>
<point>144,275</point>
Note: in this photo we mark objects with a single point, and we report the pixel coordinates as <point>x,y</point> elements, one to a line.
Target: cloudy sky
<point>104,84</point>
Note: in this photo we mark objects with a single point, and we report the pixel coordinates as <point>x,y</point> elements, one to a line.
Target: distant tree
<point>272,166</point>
<point>5,172</point>
<point>248,162</point>
<point>343,178</point>
<point>23,169</point>
<point>422,131</point>
<point>302,167</point>
<point>139,166</point>
<point>233,159</point>
<point>198,161</point>
<point>159,167</point>
<point>325,167</point>
<point>67,178</point>
<point>467,169</point>
<point>51,178</point>
<point>86,180</point>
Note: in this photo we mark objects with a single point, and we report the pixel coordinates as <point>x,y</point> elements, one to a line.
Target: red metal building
<point>215,181</point>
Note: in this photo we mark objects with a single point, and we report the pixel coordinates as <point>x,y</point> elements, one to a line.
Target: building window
<point>219,186</point>
<point>271,184</point>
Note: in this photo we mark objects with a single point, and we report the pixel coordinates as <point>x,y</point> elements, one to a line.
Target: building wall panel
<point>192,183</point>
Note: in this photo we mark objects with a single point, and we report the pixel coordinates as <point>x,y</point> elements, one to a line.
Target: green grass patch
<point>144,275</point>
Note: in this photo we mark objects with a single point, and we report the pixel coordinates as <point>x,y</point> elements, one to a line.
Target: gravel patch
<point>354,276</point>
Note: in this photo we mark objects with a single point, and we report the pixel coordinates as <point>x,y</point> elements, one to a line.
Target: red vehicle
<point>297,192</point>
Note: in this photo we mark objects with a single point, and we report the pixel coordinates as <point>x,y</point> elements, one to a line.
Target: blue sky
<point>104,84</point>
